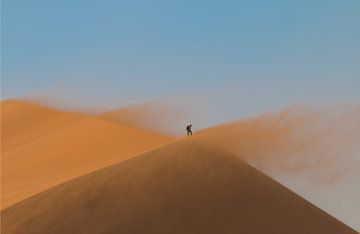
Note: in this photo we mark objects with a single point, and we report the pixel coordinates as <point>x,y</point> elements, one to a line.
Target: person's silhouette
<point>188,129</point>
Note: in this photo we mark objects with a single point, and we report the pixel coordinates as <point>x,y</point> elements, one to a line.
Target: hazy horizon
<point>263,54</point>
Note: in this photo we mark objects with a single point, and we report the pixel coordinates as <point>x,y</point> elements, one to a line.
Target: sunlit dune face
<point>23,122</point>
<point>42,147</point>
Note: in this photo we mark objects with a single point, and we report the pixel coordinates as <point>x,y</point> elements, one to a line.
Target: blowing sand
<point>71,173</point>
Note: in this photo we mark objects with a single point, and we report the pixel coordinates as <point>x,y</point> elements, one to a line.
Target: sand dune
<point>67,147</point>
<point>186,187</point>
<point>312,151</point>
<point>70,173</point>
<point>23,122</point>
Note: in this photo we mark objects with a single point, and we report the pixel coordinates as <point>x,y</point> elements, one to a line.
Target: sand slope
<point>185,187</point>
<point>58,149</point>
<point>23,122</point>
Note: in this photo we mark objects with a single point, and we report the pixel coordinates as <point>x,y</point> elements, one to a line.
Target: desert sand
<point>65,172</point>
<point>56,146</point>
<point>23,122</point>
<point>186,187</point>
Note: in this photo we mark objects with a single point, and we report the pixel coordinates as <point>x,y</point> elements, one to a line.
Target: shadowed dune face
<point>58,146</point>
<point>181,188</point>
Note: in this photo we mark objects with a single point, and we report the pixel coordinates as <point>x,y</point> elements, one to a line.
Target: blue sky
<point>265,53</point>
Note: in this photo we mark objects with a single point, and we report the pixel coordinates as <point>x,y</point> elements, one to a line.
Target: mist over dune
<point>154,116</point>
<point>186,187</point>
<point>310,138</point>
<point>313,152</point>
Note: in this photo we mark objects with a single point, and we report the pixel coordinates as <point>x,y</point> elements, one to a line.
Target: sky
<point>257,54</point>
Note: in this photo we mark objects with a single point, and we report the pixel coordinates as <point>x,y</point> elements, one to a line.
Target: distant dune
<point>154,117</point>
<point>134,116</point>
<point>23,122</point>
<point>43,147</point>
<point>187,187</point>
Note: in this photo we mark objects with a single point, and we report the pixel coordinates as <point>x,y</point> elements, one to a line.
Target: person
<point>188,129</point>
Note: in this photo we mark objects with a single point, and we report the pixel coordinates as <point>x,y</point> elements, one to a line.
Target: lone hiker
<point>188,129</point>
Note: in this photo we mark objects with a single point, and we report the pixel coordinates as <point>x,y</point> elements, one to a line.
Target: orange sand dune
<point>56,153</point>
<point>23,122</point>
<point>185,187</point>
